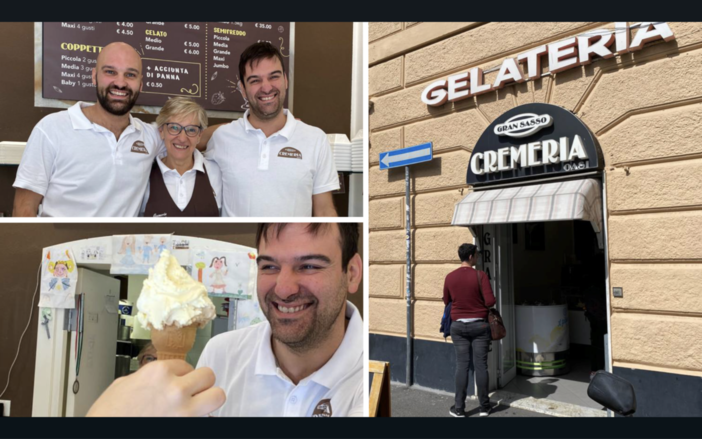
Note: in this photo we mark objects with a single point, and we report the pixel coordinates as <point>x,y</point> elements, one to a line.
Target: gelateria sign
<point>562,55</point>
<point>533,141</point>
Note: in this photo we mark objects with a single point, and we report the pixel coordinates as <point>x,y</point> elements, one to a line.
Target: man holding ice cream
<point>307,358</point>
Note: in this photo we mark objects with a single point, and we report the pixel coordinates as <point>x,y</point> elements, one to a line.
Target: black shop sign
<point>533,141</point>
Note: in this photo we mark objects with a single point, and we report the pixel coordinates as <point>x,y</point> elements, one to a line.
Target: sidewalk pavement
<point>418,401</point>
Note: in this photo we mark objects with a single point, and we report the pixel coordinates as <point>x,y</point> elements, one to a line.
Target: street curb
<point>545,406</point>
<point>524,402</point>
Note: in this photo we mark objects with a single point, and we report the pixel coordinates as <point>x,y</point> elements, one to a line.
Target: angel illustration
<point>60,270</point>
<point>218,274</point>
<point>127,249</point>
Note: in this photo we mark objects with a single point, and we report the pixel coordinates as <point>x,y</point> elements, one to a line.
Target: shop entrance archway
<point>538,264</point>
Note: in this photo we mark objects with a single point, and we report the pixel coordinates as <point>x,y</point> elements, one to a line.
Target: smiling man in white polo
<point>307,358</point>
<point>272,165</point>
<point>91,160</point>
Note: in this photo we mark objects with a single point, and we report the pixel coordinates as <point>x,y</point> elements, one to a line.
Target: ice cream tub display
<point>543,340</point>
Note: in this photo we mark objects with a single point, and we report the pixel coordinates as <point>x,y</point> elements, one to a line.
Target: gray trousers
<point>471,338</point>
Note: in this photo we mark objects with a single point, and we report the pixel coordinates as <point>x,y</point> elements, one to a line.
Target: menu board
<point>199,60</point>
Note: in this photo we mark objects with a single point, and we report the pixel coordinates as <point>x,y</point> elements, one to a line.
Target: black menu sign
<point>199,60</point>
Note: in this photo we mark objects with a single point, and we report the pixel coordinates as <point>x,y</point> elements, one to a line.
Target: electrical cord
<point>19,345</point>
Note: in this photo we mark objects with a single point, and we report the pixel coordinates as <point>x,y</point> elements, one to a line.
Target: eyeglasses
<point>146,359</point>
<point>175,129</point>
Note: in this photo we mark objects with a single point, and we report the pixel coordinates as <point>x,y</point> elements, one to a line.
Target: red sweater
<point>461,287</point>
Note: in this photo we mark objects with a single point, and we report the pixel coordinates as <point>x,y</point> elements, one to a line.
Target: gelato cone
<point>173,305</point>
<point>172,342</point>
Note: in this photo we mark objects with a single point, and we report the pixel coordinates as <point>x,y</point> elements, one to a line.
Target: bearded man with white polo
<point>91,160</point>
<point>306,359</point>
<point>272,165</point>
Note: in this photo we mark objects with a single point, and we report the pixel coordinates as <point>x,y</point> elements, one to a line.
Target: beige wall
<point>645,108</point>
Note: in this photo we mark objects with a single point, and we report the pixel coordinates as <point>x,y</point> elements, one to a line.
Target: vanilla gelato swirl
<point>171,297</point>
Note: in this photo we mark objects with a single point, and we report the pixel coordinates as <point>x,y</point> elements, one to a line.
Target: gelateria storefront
<point>568,153</point>
<point>536,213</point>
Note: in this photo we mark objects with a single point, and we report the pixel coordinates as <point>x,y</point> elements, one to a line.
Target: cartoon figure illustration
<point>218,274</point>
<point>147,249</point>
<point>60,270</point>
<point>91,253</point>
<point>127,249</point>
<point>163,246</point>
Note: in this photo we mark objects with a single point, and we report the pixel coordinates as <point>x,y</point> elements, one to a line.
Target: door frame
<point>501,268</point>
<point>505,252</point>
<point>496,239</point>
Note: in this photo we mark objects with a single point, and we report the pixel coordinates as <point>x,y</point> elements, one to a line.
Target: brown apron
<point>202,203</point>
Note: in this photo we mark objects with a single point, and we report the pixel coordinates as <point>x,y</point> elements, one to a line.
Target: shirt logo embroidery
<point>139,147</point>
<point>323,409</point>
<point>290,153</point>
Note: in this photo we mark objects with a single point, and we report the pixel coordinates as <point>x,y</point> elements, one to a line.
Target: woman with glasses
<point>183,183</point>
<point>147,354</point>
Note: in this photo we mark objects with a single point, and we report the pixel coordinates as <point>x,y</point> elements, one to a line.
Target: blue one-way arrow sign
<point>406,156</point>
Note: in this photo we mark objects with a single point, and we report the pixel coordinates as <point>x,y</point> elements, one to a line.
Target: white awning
<point>561,201</point>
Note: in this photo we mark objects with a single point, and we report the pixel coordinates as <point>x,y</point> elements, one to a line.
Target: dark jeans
<point>471,337</point>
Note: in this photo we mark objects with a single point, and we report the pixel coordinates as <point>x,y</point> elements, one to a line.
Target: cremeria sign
<point>533,140</point>
<point>562,55</point>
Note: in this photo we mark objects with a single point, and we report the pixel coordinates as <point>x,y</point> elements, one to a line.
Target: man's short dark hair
<point>465,251</point>
<point>348,236</point>
<point>255,52</point>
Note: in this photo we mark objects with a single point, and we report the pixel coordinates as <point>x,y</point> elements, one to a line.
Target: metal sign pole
<point>408,279</point>
<point>394,159</point>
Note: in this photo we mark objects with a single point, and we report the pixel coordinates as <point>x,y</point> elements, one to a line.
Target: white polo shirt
<point>274,176</point>
<point>181,187</point>
<point>82,170</point>
<point>245,368</point>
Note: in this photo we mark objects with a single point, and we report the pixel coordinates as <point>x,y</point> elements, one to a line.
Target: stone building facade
<point>644,107</point>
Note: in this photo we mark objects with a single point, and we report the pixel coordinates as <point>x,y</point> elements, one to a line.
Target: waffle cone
<point>172,342</point>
